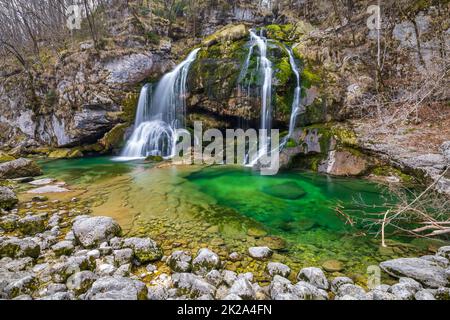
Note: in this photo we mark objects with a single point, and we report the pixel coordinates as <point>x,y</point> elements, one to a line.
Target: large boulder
<point>19,168</point>
<point>117,288</point>
<point>145,249</point>
<point>343,163</point>
<point>424,271</point>
<point>8,198</point>
<point>92,231</point>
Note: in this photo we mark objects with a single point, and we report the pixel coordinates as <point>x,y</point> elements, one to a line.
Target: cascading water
<point>297,108</point>
<point>159,114</point>
<point>265,68</point>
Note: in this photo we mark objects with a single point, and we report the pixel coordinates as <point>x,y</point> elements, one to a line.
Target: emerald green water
<point>232,208</point>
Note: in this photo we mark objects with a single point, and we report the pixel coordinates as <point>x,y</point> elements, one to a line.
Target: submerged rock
<point>48,189</point>
<point>288,191</point>
<point>333,266</point>
<point>8,198</point>
<point>426,272</point>
<point>92,231</point>
<point>19,168</point>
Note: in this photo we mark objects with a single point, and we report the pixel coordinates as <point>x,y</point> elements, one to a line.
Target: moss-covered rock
<point>114,138</point>
<point>65,154</point>
<point>8,198</point>
<point>5,157</point>
<point>228,33</point>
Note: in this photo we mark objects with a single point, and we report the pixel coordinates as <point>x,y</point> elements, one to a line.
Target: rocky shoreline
<point>54,250</point>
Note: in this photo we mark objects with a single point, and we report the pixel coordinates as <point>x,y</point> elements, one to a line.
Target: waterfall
<point>265,67</point>
<point>297,108</point>
<point>159,114</point>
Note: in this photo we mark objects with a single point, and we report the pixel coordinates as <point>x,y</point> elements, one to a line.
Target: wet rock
<point>192,285</point>
<point>31,225</point>
<point>205,261</point>
<point>24,297</point>
<point>260,253</point>
<point>274,243</point>
<point>39,199</point>
<point>63,248</point>
<point>426,272</point>
<point>338,282</point>
<point>117,288</point>
<point>276,268</point>
<point>314,276</point>
<point>19,168</point>
<point>8,198</point>
<point>91,231</point>
<point>80,282</point>
<point>243,288</point>
<point>145,249</point>
<point>19,248</point>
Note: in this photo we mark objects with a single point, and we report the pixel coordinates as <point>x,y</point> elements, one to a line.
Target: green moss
<point>291,143</point>
<point>386,171</point>
<point>129,105</point>
<point>114,138</point>
<point>5,157</point>
<point>153,38</point>
<point>345,136</point>
<point>283,71</point>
